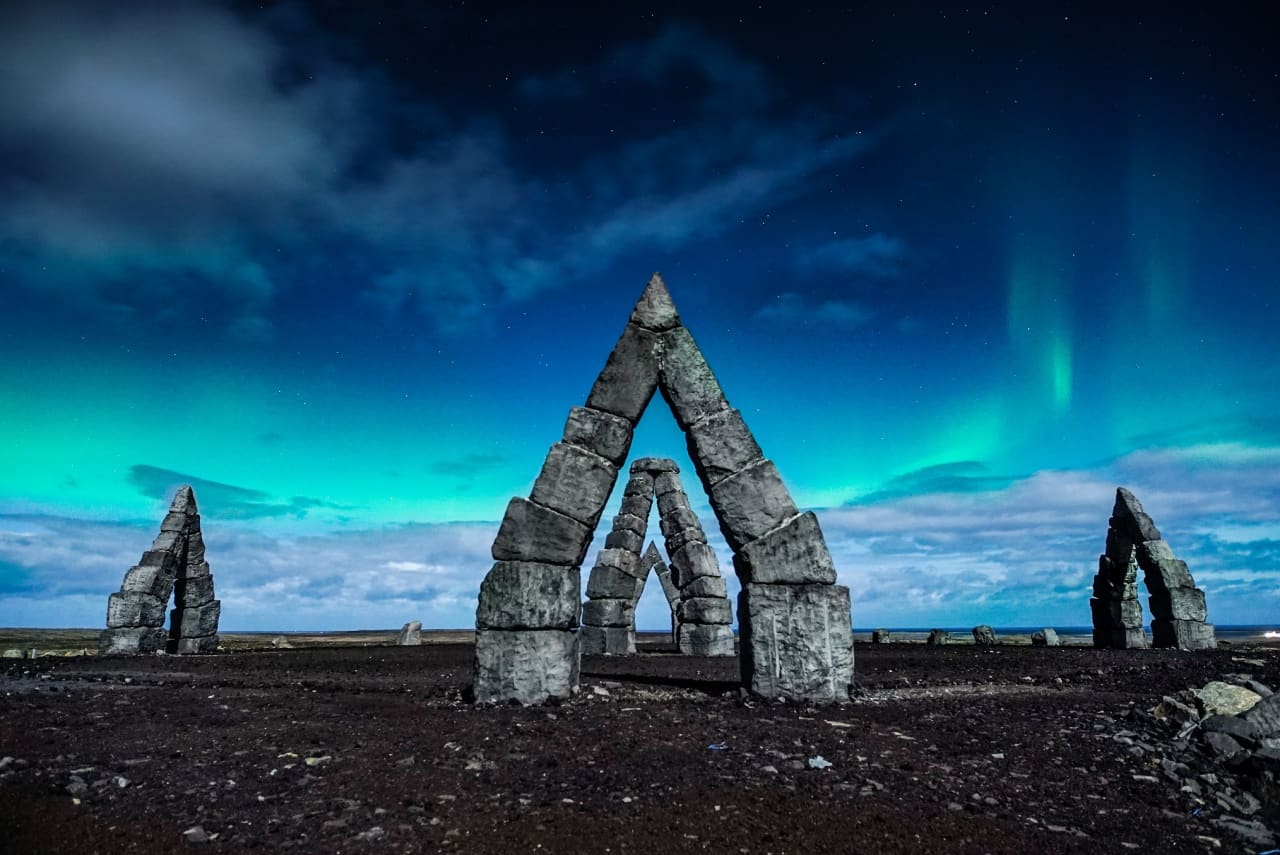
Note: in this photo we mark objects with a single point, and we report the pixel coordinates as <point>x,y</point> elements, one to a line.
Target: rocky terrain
<point>952,748</point>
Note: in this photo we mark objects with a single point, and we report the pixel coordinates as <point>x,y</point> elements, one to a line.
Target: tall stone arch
<point>1178,611</point>
<point>175,564</point>
<point>796,638</point>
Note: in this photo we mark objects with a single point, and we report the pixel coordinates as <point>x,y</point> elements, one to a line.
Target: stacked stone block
<point>796,635</point>
<point>174,565</point>
<point>1177,606</point>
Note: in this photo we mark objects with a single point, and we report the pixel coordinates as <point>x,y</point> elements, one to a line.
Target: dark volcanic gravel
<point>946,750</point>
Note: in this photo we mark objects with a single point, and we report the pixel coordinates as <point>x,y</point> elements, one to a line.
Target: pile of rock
<point>1177,606</point>
<point>175,564</point>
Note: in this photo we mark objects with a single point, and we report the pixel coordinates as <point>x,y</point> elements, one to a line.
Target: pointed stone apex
<point>1126,503</point>
<point>651,555</point>
<point>184,501</point>
<point>1135,524</point>
<point>654,310</point>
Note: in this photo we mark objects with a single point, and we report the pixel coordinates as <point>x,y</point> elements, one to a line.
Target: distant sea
<point>1234,633</point>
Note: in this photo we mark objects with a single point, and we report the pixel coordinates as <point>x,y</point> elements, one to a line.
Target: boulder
<point>1264,715</point>
<point>195,548</point>
<point>601,433</point>
<point>410,634</point>
<point>131,640</point>
<point>794,553</point>
<point>574,482</point>
<point>881,636</point>
<point>708,610</point>
<point>938,637</point>
<point>13,653</point>
<point>667,482</point>
<point>621,559</point>
<point>984,636</point>
<point>686,381</point>
<point>797,641</point>
<point>637,506</point>
<point>705,586</point>
<point>608,640</point>
<point>1183,634</point>
<point>1241,730</point>
<point>1222,698</point>
<point>195,645</point>
<point>677,541</point>
<point>152,580</point>
<point>632,523</point>
<point>1162,570</point>
<point>193,591</point>
<point>629,377</point>
<point>692,561</point>
<point>751,503</point>
<point>624,539</point>
<point>705,640</point>
<point>607,582</point>
<point>1223,746</point>
<point>653,466</point>
<point>675,519</point>
<point>527,666</point>
<point>1178,604</point>
<point>531,532</point>
<point>1046,637</point>
<point>529,595</point>
<point>1128,518</point>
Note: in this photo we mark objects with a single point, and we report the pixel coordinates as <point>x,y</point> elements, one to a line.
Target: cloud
<point>184,159</point>
<point>965,476</point>
<point>878,255</point>
<point>792,309</point>
<point>223,500</point>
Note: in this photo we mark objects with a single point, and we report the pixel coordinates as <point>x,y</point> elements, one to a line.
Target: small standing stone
<point>410,634</point>
<point>881,636</point>
<point>984,636</point>
<point>938,637</point>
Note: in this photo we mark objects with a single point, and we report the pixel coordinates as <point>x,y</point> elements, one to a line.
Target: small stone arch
<point>699,602</point>
<point>174,565</point>
<point>796,637</point>
<point>1178,611</point>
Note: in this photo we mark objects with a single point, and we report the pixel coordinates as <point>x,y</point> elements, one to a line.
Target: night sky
<point>345,269</point>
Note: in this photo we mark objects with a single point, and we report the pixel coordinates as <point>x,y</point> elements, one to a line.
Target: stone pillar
<point>175,564</point>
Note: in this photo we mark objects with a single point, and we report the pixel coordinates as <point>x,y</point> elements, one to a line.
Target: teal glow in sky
<point>345,272</point>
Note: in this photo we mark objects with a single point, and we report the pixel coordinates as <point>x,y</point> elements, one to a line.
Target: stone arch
<point>174,565</point>
<point>1178,611</point>
<point>796,636</point>
<point>701,614</point>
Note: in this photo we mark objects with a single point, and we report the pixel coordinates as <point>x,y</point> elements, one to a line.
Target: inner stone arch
<point>695,590</point>
<point>796,638</point>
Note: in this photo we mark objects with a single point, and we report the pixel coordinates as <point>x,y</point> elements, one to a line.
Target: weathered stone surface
<point>170,541</point>
<point>640,484</point>
<point>599,432</point>
<point>691,561</point>
<point>527,666</point>
<point>195,645</point>
<point>938,637</point>
<point>751,503</point>
<point>529,595</point>
<point>1161,568</point>
<point>985,636</point>
<point>720,445</point>
<point>608,613</point>
<point>686,380</point>
<point>193,591</point>
<point>624,560</point>
<point>680,539</point>
<point>630,522</point>
<point>795,553</point>
<point>1119,554</point>
<point>705,586</point>
<point>531,532</point>
<point>575,482</point>
<point>677,519</point>
<point>1116,613</point>
<point>637,506</point>
<point>705,610</point>
<point>1130,520</point>
<point>184,501</point>
<point>148,580</point>
<point>1241,730</point>
<point>654,310</point>
<point>1219,698</point>
<point>195,548</point>
<point>1183,634</point>
<point>410,634</point>
<point>705,639</point>
<point>1179,604</point>
<point>174,521</point>
<point>134,609</point>
<point>630,375</point>
<point>611,583</point>
<point>191,571</point>
<point>667,482</point>
<point>653,466</point>
<point>1264,716</point>
<point>1045,638</point>
<point>797,641</point>
<point>201,620</point>
<point>608,640</point>
<point>623,539</point>
<point>1223,746</point>
<point>131,640</point>
<point>159,558</point>
<point>669,589</point>
<point>881,636</point>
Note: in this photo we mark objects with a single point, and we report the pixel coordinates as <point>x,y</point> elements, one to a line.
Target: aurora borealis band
<point>345,270</point>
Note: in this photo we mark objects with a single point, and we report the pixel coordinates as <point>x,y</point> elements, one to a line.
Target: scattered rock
<point>1045,638</point>
<point>1251,831</point>
<point>1222,698</point>
<point>281,643</point>
<point>984,636</point>
<point>819,762</point>
<point>197,834</point>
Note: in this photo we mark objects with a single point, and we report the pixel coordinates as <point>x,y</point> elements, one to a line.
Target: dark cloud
<point>791,309</point>
<point>962,476</point>
<point>224,500</point>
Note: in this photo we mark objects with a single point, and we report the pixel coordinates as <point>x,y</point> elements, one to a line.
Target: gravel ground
<point>944,750</point>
